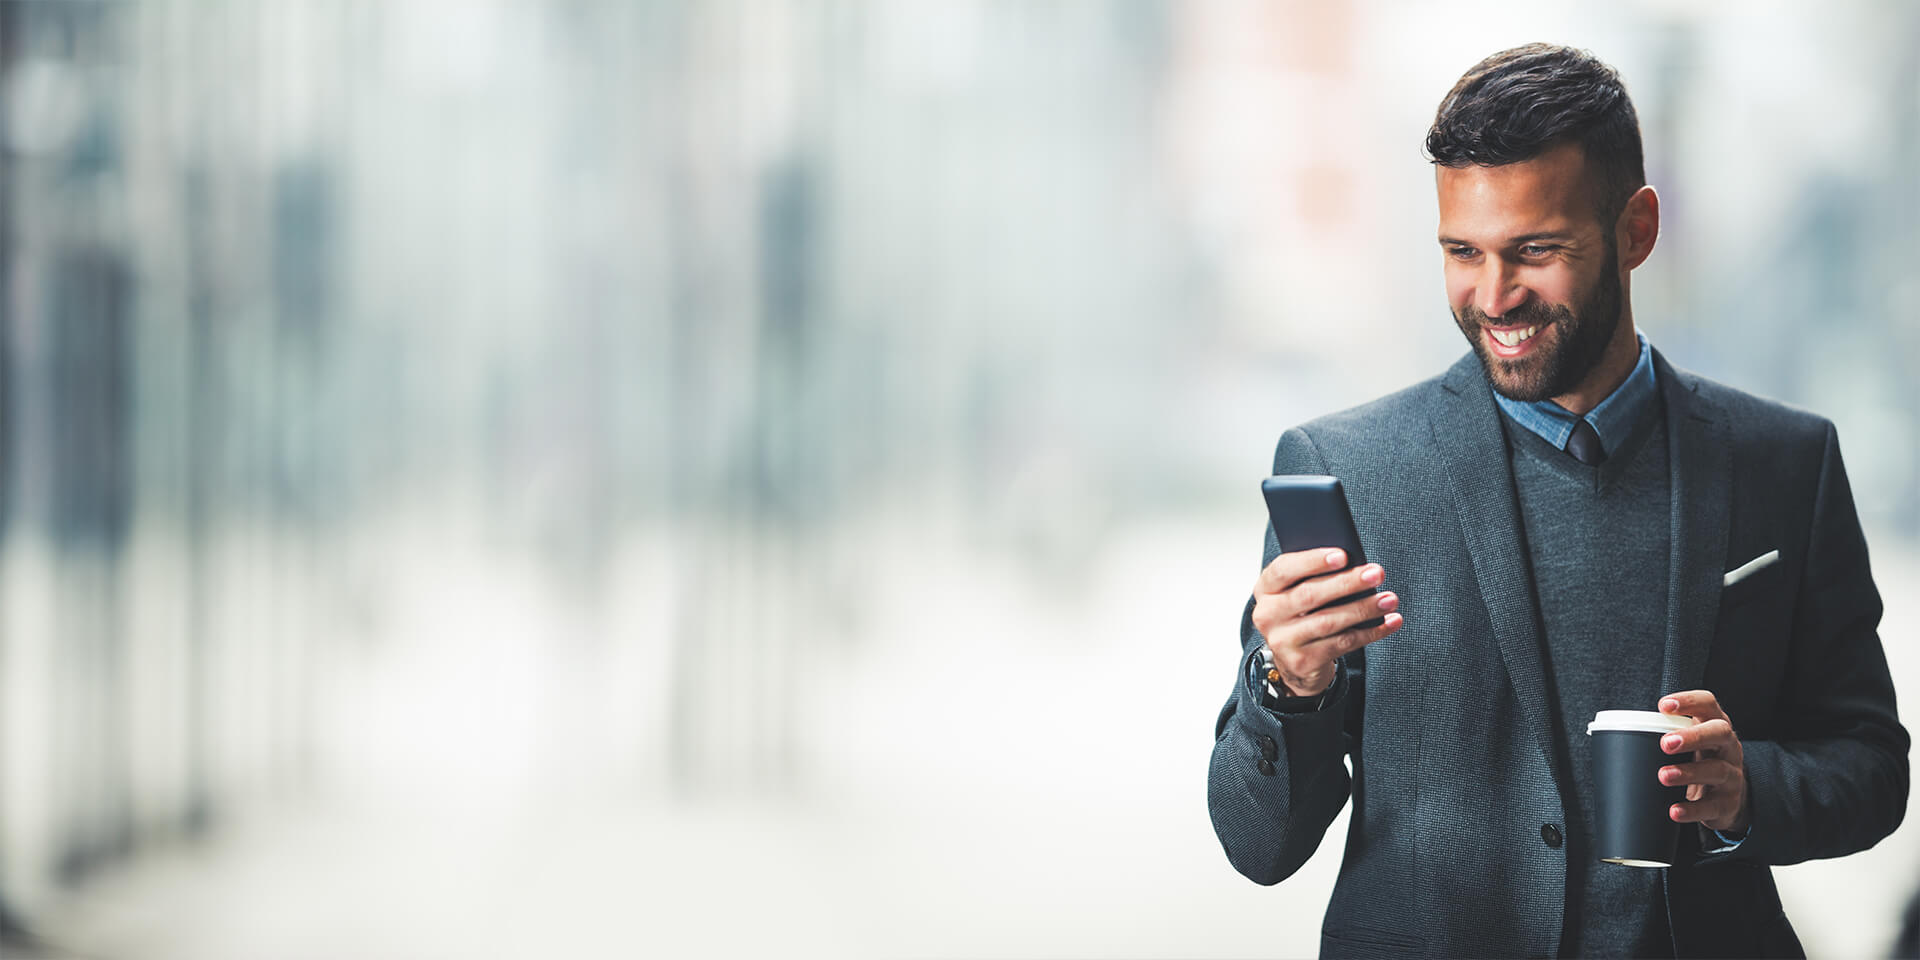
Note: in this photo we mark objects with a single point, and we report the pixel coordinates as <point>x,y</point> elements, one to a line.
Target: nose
<point>1498,291</point>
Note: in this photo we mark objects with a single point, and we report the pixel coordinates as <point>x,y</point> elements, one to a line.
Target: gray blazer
<point>1446,723</point>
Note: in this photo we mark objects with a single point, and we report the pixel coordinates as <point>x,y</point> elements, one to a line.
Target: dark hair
<point>1520,103</point>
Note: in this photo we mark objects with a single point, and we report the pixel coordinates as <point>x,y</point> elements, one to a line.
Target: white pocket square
<point>1749,568</point>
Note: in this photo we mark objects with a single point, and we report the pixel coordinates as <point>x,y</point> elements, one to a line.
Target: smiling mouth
<point>1514,338</point>
<point>1512,343</point>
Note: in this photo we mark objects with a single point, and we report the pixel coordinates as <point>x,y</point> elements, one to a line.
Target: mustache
<point>1530,313</point>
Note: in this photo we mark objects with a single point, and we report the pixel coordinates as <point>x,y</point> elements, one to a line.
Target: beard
<point>1581,335</point>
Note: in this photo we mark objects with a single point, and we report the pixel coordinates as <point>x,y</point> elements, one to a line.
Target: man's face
<point>1532,275</point>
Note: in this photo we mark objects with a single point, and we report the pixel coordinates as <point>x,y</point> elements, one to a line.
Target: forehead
<point>1547,194</point>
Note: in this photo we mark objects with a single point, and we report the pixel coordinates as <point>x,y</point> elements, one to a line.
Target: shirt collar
<point>1612,420</point>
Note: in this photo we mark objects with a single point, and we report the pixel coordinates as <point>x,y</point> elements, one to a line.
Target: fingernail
<point>1372,574</point>
<point>1675,813</point>
<point>1670,744</point>
<point>1388,601</point>
<point>1670,705</point>
<point>1336,557</point>
<point>1393,619</point>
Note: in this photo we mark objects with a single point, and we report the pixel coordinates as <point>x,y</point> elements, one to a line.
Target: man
<point>1562,523</point>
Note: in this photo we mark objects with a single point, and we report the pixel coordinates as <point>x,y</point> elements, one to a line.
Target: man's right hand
<point>1304,640</point>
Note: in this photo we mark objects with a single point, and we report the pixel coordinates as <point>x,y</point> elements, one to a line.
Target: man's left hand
<point>1716,780</point>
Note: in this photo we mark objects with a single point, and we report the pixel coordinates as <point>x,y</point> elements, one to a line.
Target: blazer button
<point>1266,768</point>
<point>1268,749</point>
<point>1551,834</point>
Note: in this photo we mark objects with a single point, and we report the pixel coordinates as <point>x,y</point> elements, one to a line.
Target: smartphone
<point>1308,511</point>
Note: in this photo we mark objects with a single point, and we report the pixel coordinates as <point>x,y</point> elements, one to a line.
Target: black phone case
<point>1308,511</point>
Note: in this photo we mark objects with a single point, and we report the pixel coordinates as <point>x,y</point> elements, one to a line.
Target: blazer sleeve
<point>1277,778</point>
<point>1834,778</point>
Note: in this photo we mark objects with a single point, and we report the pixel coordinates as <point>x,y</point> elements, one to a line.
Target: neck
<point>1623,352</point>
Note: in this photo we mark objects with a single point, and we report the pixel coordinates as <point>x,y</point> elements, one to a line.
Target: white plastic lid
<point>1637,721</point>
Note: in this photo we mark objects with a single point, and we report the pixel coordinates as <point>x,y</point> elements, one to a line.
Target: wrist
<point>1299,686</point>
<point>1297,693</point>
<point>1264,675</point>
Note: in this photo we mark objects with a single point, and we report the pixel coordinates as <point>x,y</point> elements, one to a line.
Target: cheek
<point>1459,290</point>
<point>1557,287</point>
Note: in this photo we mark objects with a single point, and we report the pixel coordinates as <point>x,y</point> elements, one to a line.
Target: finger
<point>1323,624</point>
<point>1314,592</point>
<point>1716,807</point>
<point>1711,735</point>
<point>1288,569</point>
<point>1711,773</point>
<point>1698,704</point>
<point>1347,641</point>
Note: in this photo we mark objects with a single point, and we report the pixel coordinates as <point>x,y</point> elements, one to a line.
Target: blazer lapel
<point>1700,459</point>
<point>1467,431</point>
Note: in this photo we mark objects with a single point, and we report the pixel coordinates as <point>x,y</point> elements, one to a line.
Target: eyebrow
<point>1523,238</point>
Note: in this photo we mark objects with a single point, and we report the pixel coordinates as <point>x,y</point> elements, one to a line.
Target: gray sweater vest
<point>1597,542</point>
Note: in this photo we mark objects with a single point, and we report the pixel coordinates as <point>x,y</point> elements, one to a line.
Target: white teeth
<point>1514,338</point>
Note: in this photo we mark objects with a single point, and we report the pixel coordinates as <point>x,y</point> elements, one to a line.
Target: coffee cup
<point>1631,825</point>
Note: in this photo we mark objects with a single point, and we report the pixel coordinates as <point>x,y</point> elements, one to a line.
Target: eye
<point>1535,250</point>
<point>1461,252</point>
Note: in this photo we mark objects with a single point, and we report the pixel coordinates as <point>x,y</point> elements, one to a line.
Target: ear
<point>1638,227</point>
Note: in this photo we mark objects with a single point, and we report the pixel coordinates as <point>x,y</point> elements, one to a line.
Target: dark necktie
<point>1585,444</point>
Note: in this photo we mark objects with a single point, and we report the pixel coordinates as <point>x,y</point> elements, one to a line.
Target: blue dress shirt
<point>1612,420</point>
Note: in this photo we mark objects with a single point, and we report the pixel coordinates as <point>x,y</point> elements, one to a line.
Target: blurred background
<point>498,479</point>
